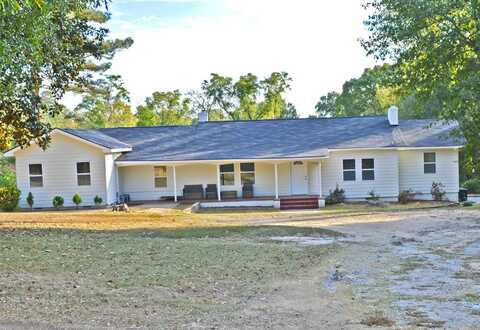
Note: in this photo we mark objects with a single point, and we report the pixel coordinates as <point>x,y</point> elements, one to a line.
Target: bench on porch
<point>229,194</point>
<point>193,192</point>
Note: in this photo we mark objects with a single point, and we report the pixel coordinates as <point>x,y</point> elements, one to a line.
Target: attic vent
<point>393,116</point>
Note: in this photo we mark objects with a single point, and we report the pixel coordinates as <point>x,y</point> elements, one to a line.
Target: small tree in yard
<point>77,200</point>
<point>437,191</point>
<point>97,200</point>
<point>30,200</point>
<point>57,202</point>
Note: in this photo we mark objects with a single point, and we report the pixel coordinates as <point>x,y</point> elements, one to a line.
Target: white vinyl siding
<point>413,176</point>
<point>386,174</point>
<point>59,170</point>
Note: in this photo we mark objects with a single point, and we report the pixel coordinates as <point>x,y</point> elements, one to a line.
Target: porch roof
<point>272,139</point>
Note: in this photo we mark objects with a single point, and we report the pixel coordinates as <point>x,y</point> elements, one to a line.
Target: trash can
<point>462,195</point>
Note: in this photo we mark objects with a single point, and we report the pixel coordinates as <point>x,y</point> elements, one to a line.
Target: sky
<point>178,43</point>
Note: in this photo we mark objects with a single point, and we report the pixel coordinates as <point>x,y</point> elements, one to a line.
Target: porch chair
<point>211,191</point>
<point>192,192</point>
<point>247,190</point>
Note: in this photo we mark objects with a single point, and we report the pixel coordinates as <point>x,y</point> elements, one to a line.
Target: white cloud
<point>316,42</point>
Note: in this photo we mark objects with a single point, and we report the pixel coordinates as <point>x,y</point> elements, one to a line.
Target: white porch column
<point>218,183</point>
<point>276,180</point>
<point>319,178</point>
<point>175,197</point>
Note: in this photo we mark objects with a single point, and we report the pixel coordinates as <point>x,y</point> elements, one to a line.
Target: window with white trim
<point>160,176</point>
<point>35,172</point>
<point>247,173</point>
<point>349,170</point>
<point>83,174</point>
<point>368,169</point>
<point>429,163</point>
<point>227,175</point>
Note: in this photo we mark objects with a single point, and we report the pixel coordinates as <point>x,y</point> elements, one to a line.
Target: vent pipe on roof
<point>203,117</point>
<point>393,115</point>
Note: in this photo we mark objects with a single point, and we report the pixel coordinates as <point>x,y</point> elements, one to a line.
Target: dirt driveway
<point>402,270</point>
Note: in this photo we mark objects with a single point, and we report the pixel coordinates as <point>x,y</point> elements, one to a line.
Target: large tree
<point>45,46</point>
<point>435,48</point>
<point>165,108</point>
<point>105,104</point>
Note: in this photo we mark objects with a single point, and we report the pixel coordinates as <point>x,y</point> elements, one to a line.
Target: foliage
<point>336,196</point>
<point>9,197</point>
<point>406,196</point>
<point>77,199</point>
<point>372,196</point>
<point>105,103</point>
<point>437,191</point>
<point>7,175</point>
<point>30,200</point>
<point>57,202</point>
<point>435,48</point>
<point>472,185</point>
<point>97,200</point>
<point>165,108</point>
<point>42,50</point>
<point>248,98</point>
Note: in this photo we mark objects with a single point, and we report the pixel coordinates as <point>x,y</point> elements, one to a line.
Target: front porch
<point>224,184</point>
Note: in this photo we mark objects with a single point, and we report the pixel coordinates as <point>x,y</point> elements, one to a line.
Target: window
<point>247,173</point>
<point>160,176</point>
<point>83,174</point>
<point>349,170</point>
<point>36,175</point>
<point>429,163</point>
<point>368,169</point>
<point>227,175</point>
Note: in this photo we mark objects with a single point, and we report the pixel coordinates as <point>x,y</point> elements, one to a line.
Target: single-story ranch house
<point>291,162</point>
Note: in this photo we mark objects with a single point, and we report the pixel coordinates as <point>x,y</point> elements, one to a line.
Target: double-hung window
<point>349,170</point>
<point>227,175</point>
<point>429,163</point>
<point>368,169</point>
<point>160,176</point>
<point>247,173</point>
<point>83,174</point>
<point>35,172</point>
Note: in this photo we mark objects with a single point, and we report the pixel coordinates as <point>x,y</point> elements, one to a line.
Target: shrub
<point>372,196</point>
<point>57,202</point>
<point>336,196</point>
<point>9,197</point>
<point>437,191</point>
<point>77,199</point>
<point>473,186</point>
<point>30,199</point>
<point>406,196</point>
<point>97,200</point>
<point>7,178</point>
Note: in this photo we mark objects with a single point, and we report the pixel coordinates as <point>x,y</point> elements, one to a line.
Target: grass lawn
<point>100,269</point>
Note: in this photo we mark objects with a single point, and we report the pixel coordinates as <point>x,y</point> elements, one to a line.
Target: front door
<point>299,178</point>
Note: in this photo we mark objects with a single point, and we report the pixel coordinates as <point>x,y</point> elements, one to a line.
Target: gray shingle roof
<point>97,137</point>
<point>272,139</point>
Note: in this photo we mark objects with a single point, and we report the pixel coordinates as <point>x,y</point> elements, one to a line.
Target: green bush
<point>437,191</point>
<point>336,196</point>
<point>97,200</point>
<point>30,199</point>
<point>406,196</point>
<point>9,197</point>
<point>57,202</point>
<point>472,185</point>
<point>77,199</point>
<point>7,178</point>
<point>372,196</point>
